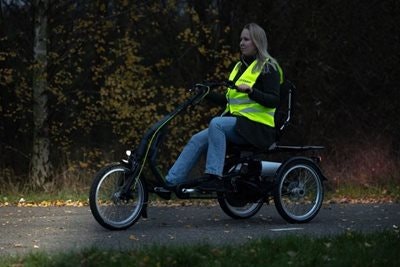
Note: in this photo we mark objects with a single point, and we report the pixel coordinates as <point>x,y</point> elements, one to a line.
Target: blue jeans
<point>211,141</point>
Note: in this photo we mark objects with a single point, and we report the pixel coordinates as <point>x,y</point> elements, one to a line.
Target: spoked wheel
<point>299,191</point>
<point>236,207</point>
<point>112,208</point>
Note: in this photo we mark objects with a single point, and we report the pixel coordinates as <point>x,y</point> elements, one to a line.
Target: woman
<point>249,115</point>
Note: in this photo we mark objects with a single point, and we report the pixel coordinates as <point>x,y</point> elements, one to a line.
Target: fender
<point>313,161</point>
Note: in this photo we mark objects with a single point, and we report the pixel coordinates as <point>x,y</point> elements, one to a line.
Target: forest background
<point>80,81</point>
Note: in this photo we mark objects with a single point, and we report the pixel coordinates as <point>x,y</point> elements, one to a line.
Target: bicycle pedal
<point>161,190</point>
<point>188,190</point>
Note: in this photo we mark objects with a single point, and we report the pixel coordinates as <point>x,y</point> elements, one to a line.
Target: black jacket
<point>265,92</point>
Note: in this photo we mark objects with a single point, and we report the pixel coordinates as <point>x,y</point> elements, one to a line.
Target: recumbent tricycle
<point>119,192</point>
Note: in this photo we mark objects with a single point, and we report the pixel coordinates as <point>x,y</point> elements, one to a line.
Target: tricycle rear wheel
<point>298,191</point>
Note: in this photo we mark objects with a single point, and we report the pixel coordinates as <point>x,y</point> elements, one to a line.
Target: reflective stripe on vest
<point>241,105</point>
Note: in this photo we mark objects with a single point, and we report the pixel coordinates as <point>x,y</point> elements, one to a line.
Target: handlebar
<point>201,90</point>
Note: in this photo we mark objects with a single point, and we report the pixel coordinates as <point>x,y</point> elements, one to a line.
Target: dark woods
<point>82,80</point>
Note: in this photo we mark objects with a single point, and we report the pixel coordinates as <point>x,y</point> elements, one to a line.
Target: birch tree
<point>41,145</point>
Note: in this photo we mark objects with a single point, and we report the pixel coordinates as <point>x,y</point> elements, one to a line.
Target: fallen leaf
<point>133,237</point>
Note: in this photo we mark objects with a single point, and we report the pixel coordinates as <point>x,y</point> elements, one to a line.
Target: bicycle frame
<point>147,148</point>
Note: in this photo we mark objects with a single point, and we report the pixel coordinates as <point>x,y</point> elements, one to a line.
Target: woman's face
<point>247,46</point>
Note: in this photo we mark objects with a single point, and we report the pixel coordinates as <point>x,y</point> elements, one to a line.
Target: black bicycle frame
<point>147,148</point>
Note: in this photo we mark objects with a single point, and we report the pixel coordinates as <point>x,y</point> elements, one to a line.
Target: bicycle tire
<point>298,191</point>
<point>110,209</point>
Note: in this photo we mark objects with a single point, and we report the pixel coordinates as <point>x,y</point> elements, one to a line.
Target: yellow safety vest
<point>241,105</point>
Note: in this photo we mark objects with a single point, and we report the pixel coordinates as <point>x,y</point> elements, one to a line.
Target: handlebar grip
<point>231,84</point>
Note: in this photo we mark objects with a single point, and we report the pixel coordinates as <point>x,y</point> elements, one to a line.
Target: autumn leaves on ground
<point>350,195</point>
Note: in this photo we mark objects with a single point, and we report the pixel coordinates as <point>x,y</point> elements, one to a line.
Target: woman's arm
<point>265,91</point>
<point>217,98</point>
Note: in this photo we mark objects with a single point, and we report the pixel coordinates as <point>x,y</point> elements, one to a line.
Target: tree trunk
<point>41,144</point>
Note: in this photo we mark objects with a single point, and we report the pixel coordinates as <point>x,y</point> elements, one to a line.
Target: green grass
<point>37,197</point>
<point>387,192</point>
<point>350,249</point>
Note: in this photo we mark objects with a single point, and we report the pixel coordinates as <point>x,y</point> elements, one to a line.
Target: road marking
<point>286,229</point>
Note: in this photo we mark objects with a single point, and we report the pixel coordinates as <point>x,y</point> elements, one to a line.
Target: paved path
<point>68,228</point>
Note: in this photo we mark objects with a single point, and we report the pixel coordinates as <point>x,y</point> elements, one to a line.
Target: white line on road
<point>286,229</point>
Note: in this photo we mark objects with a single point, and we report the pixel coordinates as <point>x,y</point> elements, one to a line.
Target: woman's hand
<point>244,88</point>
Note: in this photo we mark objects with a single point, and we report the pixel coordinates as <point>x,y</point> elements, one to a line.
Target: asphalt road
<point>64,229</point>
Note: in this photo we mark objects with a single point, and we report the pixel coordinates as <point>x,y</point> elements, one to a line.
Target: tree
<point>41,166</point>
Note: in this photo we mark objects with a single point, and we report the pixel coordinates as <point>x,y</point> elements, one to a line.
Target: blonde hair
<point>259,38</point>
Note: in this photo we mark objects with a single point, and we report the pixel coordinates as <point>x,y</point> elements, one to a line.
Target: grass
<point>364,193</point>
<point>43,197</point>
<point>350,249</point>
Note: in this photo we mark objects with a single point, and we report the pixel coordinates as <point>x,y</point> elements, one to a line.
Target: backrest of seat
<point>285,109</point>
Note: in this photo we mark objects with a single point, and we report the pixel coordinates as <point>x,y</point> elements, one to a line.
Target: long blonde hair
<point>259,38</point>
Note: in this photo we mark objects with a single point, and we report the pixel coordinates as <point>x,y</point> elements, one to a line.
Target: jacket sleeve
<point>217,98</point>
<point>266,88</point>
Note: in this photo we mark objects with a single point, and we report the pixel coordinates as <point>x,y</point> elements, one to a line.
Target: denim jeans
<point>211,141</point>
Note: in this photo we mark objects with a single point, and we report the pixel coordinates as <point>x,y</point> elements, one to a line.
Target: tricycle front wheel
<point>112,208</point>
